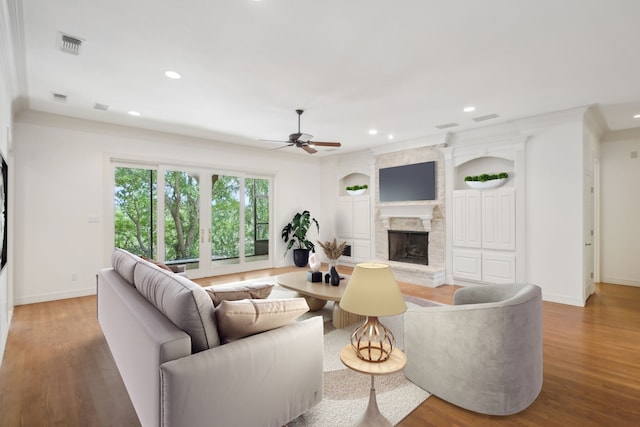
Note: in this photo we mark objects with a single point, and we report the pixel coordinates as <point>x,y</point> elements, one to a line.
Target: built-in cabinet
<point>353,223</point>
<point>484,235</point>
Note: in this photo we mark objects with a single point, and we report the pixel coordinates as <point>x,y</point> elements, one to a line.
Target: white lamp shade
<point>373,291</point>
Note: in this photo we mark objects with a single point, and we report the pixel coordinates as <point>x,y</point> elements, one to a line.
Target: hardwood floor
<point>58,371</point>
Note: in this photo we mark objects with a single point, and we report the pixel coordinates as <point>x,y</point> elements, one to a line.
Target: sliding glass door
<point>213,223</point>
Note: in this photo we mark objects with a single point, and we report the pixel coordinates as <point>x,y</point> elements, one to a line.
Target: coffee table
<point>318,293</point>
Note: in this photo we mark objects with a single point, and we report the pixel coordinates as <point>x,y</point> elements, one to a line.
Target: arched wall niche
<point>480,165</point>
<point>355,178</point>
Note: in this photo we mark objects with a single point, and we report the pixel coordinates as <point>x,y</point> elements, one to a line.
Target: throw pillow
<point>237,319</point>
<point>158,263</point>
<point>238,292</point>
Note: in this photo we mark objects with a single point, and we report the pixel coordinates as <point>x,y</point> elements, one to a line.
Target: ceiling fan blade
<point>308,149</point>
<point>325,144</point>
<point>280,148</point>
<point>275,140</point>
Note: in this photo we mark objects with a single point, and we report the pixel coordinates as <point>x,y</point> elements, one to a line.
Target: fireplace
<point>409,246</point>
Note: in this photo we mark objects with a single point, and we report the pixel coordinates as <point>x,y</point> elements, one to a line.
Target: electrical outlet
<point>74,276</point>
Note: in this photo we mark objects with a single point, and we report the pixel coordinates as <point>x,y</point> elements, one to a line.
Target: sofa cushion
<point>183,302</point>
<point>238,291</point>
<point>237,319</point>
<point>124,263</point>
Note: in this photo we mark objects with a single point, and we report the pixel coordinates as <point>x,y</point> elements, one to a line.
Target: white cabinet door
<point>344,219</point>
<point>499,219</point>
<point>361,250</point>
<point>467,264</point>
<point>507,213</point>
<point>361,218</point>
<point>467,218</point>
<point>498,267</point>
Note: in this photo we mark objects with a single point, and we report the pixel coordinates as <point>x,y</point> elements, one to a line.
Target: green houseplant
<point>295,234</point>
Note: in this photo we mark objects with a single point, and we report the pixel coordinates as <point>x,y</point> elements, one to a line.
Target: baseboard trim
<point>562,299</point>
<point>53,296</point>
<point>618,281</point>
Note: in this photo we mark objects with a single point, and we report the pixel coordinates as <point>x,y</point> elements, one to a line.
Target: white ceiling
<point>402,67</point>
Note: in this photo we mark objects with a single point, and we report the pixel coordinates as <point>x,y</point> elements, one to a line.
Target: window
<point>135,205</point>
<point>205,223</point>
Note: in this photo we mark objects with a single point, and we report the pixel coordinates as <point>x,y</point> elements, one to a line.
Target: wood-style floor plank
<point>58,371</point>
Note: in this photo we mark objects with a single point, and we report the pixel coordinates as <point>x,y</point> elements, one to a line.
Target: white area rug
<point>346,392</point>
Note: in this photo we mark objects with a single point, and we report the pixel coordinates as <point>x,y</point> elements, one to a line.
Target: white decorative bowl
<point>482,185</point>
<point>359,192</point>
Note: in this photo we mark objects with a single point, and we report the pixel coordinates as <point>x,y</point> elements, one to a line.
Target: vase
<point>335,277</point>
<point>300,257</point>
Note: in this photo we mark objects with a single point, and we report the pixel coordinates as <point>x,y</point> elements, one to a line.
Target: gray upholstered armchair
<point>483,353</point>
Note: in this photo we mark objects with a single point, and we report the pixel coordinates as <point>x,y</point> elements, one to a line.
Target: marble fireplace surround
<point>414,216</point>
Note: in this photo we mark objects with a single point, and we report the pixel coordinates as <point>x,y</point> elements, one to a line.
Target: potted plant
<point>356,190</point>
<point>486,180</point>
<point>295,234</point>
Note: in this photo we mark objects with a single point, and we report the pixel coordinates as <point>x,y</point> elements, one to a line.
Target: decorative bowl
<point>482,185</point>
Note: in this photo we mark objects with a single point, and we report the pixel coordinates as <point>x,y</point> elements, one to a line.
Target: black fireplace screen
<point>409,246</point>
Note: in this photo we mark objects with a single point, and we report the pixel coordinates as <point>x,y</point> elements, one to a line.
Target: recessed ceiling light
<point>390,136</point>
<point>172,74</point>
<point>637,116</point>
<point>469,109</point>
<point>134,113</point>
<point>373,131</point>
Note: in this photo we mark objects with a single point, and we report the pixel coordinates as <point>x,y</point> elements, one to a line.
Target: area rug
<point>346,392</point>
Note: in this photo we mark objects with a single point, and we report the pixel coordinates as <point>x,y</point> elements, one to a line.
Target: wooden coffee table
<point>318,293</point>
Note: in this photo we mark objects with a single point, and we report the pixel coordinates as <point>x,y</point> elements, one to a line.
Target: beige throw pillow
<point>238,292</point>
<point>237,319</point>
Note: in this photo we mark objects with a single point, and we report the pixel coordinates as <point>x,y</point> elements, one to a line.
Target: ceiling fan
<point>303,140</point>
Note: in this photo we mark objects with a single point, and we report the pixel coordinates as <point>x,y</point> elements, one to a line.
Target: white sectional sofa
<point>161,329</point>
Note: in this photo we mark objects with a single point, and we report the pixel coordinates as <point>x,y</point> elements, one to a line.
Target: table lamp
<point>372,291</point>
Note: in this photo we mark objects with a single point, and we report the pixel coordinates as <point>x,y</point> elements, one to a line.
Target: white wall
<point>7,97</point>
<point>554,260</point>
<point>60,188</point>
<point>5,305</point>
<point>620,207</point>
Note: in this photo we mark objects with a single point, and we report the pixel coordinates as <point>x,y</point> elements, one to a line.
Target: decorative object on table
<point>327,278</point>
<point>485,181</point>
<point>333,250</point>
<point>314,262</point>
<point>334,276</point>
<point>314,276</point>
<point>373,292</point>
<point>295,233</point>
<point>357,190</point>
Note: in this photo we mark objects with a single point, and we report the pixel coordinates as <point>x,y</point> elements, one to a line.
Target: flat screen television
<point>408,182</point>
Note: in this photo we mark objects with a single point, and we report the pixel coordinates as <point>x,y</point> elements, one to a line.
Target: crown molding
<point>440,139</point>
<point>12,58</point>
<point>533,123</point>
<point>594,120</point>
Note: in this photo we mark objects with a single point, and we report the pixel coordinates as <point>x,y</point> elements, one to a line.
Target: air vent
<point>70,44</point>
<point>487,117</point>
<point>102,107</point>
<point>58,97</point>
<point>447,125</point>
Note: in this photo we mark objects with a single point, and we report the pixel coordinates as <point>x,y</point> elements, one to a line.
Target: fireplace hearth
<point>409,246</point>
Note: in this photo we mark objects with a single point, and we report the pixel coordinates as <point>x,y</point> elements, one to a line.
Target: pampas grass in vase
<point>333,250</point>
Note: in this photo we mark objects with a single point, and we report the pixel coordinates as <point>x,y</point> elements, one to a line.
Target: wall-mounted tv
<point>408,182</point>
